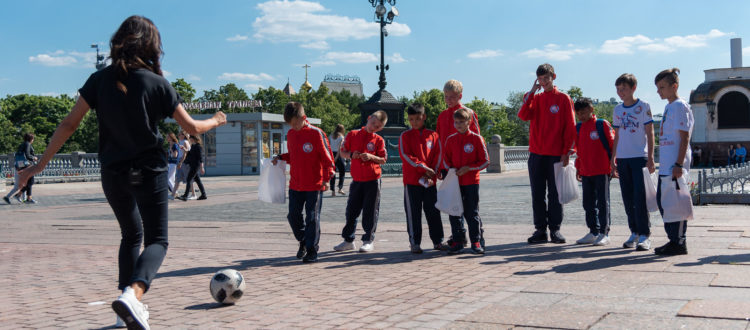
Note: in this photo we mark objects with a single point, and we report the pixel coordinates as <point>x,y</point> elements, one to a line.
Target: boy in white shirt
<point>674,153</point>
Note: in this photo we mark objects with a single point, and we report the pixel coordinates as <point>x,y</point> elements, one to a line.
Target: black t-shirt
<point>128,123</point>
<point>194,156</point>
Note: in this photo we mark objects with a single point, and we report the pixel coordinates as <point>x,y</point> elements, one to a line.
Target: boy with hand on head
<point>420,151</point>
<point>593,147</point>
<point>453,91</point>
<point>367,152</point>
<point>632,151</point>
<point>551,136</point>
<point>467,153</point>
<point>674,154</point>
<point>311,166</point>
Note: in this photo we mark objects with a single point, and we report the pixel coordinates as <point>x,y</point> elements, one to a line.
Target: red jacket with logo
<point>309,157</point>
<point>364,142</point>
<point>552,129</point>
<point>592,157</point>
<point>419,149</point>
<point>445,122</point>
<point>466,149</point>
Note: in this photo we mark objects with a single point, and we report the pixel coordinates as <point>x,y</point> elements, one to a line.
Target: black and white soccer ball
<point>227,286</point>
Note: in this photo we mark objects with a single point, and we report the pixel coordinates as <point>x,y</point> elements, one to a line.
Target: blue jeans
<point>549,212</point>
<point>141,211</point>
<point>596,203</point>
<point>307,231</point>
<point>634,194</point>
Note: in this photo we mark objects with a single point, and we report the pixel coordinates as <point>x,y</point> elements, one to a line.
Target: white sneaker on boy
<point>345,246</point>
<point>631,242</point>
<point>132,311</point>
<point>601,240</point>
<point>367,246</point>
<point>644,244</point>
<point>588,239</point>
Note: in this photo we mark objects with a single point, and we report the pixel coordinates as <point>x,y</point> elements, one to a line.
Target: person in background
<point>337,139</point>
<point>26,149</point>
<point>194,159</point>
<point>172,153</point>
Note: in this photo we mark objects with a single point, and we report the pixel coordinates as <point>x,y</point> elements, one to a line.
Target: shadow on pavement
<point>207,306</point>
<point>727,259</point>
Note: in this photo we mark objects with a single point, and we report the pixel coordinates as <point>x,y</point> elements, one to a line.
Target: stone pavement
<point>58,260</point>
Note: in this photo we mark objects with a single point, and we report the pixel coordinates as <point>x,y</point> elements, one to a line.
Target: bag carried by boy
<point>272,182</point>
<point>650,183</point>
<point>21,160</point>
<point>675,199</point>
<point>566,183</point>
<point>449,195</point>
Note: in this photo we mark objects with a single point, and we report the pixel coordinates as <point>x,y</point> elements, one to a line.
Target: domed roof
<point>306,85</point>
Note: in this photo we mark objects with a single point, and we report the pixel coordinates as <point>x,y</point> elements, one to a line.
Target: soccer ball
<point>227,286</point>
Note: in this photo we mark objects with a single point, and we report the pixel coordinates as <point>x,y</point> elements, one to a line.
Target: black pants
<point>341,169</point>
<point>549,212</point>
<point>634,194</point>
<point>596,203</point>
<point>417,198</point>
<point>307,231</point>
<point>676,231</point>
<point>470,201</point>
<point>141,212</point>
<point>193,176</point>
<point>364,197</point>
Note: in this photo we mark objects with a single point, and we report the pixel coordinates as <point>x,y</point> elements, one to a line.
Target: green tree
<point>321,104</point>
<point>349,100</point>
<point>575,93</point>
<point>39,115</point>
<point>433,102</point>
<point>604,110</point>
<point>184,89</point>
<point>225,94</point>
<point>272,99</point>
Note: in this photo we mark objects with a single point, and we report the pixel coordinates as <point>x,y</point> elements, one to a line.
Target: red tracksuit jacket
<point>309,157</point>
<point>445,122</point>
<point>552,129</point>
<point>419,149</point>
<point>592,157</point>
<point>466,150</point>
<point>362,141</point>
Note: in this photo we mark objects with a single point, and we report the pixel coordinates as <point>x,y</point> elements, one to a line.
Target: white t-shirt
<point>180,151</point>
<point>629,123</point>
<point>677,117</point>
<point>336,143</point>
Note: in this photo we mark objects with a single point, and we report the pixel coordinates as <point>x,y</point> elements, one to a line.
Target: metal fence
<point>62,168</point>
<point>725,185</point>
<point>516,158</point>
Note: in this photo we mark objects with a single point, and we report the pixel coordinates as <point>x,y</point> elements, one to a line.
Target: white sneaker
<point>644,244</point>
<point>367,246</point>
<point>345,246</point>
<point>170,197</point>
<point>588,239</point>
<point>601,240</point>
<point>192,197</point>
<point>630,243</point>
<point>132,311</point>
<point>119,323</point>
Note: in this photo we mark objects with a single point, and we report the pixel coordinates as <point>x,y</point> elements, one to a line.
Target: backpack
<point>602,137</point>
<point>21,160</point>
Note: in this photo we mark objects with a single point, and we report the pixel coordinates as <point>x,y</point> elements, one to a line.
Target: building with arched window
<point>721,107</point>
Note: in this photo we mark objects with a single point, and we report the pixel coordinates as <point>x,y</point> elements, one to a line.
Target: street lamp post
<point>384,19</point>
<point>99,58</point>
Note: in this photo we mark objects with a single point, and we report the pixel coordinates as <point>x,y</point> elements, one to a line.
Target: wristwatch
<point>678,165</point>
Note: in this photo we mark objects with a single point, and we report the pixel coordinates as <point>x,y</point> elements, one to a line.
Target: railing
<point>725,185</point>
<point>62,168</point>
<point>516,158</point>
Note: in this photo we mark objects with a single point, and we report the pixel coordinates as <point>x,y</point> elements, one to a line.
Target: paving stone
<point>642,321</point>
<point>537,316</point>
<point>718,309</point>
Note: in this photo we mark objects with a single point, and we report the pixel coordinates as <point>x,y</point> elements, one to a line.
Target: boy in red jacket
<point>420,151</point>
<point>593,169</point>
<point>453,91</point>
<point>466,152</point>
<point>551,136</point>
<point>367,151</point>
<point>311,162</point>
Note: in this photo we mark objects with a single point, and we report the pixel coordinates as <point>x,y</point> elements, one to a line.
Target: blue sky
<point>493,47</point>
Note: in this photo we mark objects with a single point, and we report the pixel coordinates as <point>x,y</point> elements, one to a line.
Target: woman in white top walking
<point>337,139</point>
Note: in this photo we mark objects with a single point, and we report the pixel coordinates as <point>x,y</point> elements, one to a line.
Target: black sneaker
<point>456,247</point>
<point>557,238</point>
<point>671,249</point>
<point>203,197</point>
<point>538,237</point>
<point>416,249</point>
<point>6,199</point>
<point>182,198</point>
<point>442,246</point>
<point>301,251</point>
<point>311,256</point>
<point>477,248</point>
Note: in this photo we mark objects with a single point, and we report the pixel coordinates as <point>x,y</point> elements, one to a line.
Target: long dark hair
<point>339,131</point>
<point>135,45</point>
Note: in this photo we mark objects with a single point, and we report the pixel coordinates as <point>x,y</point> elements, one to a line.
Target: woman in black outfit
<point>27,149</point>
<point>194,158</point>
<point>131,98</point>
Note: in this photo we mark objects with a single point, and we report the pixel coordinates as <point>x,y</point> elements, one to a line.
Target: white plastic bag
<point>449,195</point>
<point>272,183</point>
<point>675,200</point>
<point>650,182</point>
<point>566,183</point>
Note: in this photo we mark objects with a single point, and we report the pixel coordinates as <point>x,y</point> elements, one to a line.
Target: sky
<point>493,47</point>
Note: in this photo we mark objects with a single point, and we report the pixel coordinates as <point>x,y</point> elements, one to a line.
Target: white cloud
<point>628,44</point>
<point>237,37</point>
<point>52,60</point>
<point>193,77</point>
<point>253,87</point>
<point>396,58</point>
<point>352,57</point>
<point>554,52</point>
<point>320,45</point>
<point>323,63</point>
<point>485,53</point>
<point>245,76</point>
<point>309,22</point>
<point>166,73</point>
